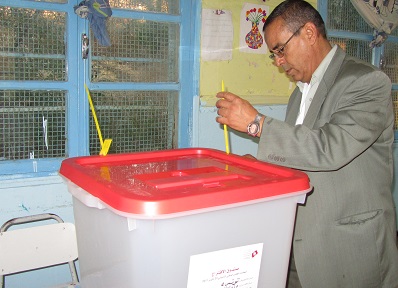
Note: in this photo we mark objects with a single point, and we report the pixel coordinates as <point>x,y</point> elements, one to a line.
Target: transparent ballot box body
<point>192,218</point>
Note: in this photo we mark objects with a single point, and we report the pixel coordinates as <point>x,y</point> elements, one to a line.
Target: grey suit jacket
<point>345,233</point>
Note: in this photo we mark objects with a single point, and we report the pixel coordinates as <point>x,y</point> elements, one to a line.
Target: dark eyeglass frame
<point>279,52</point>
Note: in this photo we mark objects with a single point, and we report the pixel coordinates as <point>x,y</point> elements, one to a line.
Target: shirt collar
<point>320,71</point>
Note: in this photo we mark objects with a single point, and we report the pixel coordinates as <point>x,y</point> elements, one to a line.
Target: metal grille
<point>134,120</point>
<point>33,48</point>
<point>395,101</point>
<point>339,11</point>
<point>390,61</point>
<point>164,6</point>
<point>141,51</point>
<point>357,48</point>
<point>32,44</point>
<point>394,32</point>
<point>32,124</point>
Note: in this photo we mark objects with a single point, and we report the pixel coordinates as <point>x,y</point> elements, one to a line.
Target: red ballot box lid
<point>180,180</point>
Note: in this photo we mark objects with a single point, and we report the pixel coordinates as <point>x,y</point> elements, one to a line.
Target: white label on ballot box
<point>229,268</point>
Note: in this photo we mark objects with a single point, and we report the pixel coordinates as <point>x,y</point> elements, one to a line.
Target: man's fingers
<point>249,156</point>
<point>222,112</point>
<point>226,95</point>
<point>221,94</point>
<point>222,103</point>
<point>221,120</point>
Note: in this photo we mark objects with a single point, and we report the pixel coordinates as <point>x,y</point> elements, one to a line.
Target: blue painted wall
<point>24,197</point>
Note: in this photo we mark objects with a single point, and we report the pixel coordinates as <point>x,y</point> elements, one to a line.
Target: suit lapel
<point>323,88</point>
<point>315,107</point>
<point>293,107</point>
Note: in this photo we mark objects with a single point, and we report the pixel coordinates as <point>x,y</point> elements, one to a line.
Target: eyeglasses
<point>279,52</point>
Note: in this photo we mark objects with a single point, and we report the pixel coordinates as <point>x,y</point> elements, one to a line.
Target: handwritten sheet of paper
<point>229,268</point>
<point>217,35</point>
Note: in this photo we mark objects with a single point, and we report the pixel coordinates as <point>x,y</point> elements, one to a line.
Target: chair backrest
<point>37,247</point>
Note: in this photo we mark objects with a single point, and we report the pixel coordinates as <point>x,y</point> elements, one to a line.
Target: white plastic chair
<point>37,247</point>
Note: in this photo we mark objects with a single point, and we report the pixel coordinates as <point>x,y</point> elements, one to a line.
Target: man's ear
<point>310,32</point>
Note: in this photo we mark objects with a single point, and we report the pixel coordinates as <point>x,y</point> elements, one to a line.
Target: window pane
<point>338,13</point>
<point>394,32</point>
<point>32,44</point>
<point>357,48</point>
<point>134,120</point>
<point>32,124</point>
<point>164,6</point>
<point>141,51</point>
<point>390,61</point>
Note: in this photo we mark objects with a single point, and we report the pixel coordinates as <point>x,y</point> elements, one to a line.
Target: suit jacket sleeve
<point>348,114</point>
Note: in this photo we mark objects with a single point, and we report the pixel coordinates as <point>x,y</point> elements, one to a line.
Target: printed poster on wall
<point>251,37</point>
<point>229,268</point>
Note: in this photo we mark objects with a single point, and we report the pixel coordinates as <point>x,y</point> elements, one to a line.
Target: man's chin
<point>291,77</point>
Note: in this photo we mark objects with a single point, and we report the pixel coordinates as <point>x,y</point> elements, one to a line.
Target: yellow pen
<point>225,126</point>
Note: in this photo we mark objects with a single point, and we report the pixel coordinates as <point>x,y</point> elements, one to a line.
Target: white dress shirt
<point>308,89</point>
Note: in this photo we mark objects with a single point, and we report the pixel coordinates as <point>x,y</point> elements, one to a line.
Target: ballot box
<point>195,218</point>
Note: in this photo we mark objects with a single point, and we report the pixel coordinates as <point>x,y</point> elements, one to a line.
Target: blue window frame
<point>45,116</point>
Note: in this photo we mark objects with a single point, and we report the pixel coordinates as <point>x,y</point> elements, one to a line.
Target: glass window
<point>32,44</point>
<point>354,37</point>
<point>163,6</point>
<point>141,51</point>
<point>135,83</point>
<point>134,120</point>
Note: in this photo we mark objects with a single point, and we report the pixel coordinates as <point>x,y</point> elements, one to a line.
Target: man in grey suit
<point>339,130</point>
